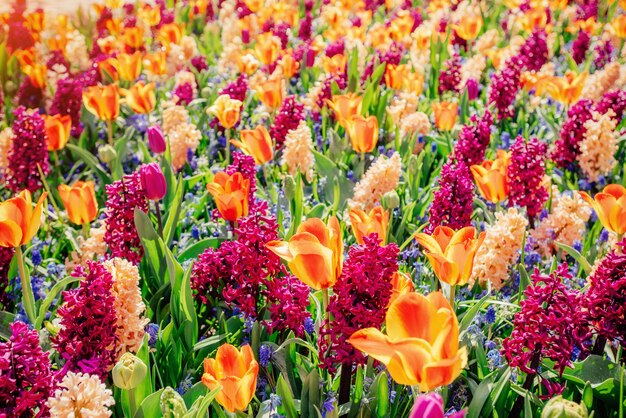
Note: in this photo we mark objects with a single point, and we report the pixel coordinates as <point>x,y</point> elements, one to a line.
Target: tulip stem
<point>227,147</point>
<point>157,210</point>
<point>110,131</point>
<point>47,188</point>
<point>86,230</point>
<point>452,291</point>
<point>27,290</point>
<point>132,403</point>
<point>325,303</point>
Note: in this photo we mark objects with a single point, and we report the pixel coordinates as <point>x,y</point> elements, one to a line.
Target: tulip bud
<point>413,166</point>
<point>129,372</point>
<point>153,181</point>
<point>107,154</point>
<point>391,200</point>
<point>172,404</point>
<point>289,187</point>
<point>558,407</point>
<point>156,140</point>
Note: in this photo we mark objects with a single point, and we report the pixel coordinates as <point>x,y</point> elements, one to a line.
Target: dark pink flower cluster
<point>525,175</point>
<point>550,324</point>
<point>614,100</point>
<point>450,76</point>
<point>237,89</point>
<point>587,9</point>
<point>28,151</point>
<point>6,255</point>
<point>360,300</point>
<point>123,196</point>
<point>534,51</point>
<point>26,380</point>
<point>288,117</point>
<point>392,56</point>
<point>245,165</point>
<point>603,54</point>
<point>288,298</point>
<point>184,94</point>
<point>605,300</point>
<point>68,100</point>
<point>504,87</point>
<point>29,96</point>
<point>87,340</point>
<point>566,148</point>
<point>474,139</point>
<point>453,200</point>
<point>580,46</point>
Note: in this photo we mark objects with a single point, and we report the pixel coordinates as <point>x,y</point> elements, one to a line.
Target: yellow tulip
<point>226,110</point>
<point>365,224</point>
<point>610,206</point>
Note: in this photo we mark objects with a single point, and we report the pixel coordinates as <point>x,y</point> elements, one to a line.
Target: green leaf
<point>6,319</point>
<point>469,315</point>
<point>45,305</point>
<point>524,281</point>
<point>151,406</point>
<point>382,394</point>
<point>480,397</point>
<point>284,391</point>
<point>194,250</point>
<point>576,255</point>
<point>201,405</point>
<point>153,246</point>
<point>91,161</point>
<point>173,211</point>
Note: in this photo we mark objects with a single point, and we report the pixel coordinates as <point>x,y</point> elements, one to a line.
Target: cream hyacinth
<point>182,135</point>
<point>129,305</point>
<point>81,395</point>
<point>88,249</point>
<point>598,147</point>
<point>382,177</point>
<point>601,81</point>
<point>6,140</point>
<point>298,152</point>
<point>500,249</point>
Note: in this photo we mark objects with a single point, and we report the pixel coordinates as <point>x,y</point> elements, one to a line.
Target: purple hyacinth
<point>566,148</point>
<point>452,201</point>
<point>525,175</point>
<point>474,139</point>
<point>614,100</point>
<point>450,77</point>
<point>504,87</point>
<point>534,51</point>
<point>580,46</point>
<point>288,117</point>
<point>68,100</point>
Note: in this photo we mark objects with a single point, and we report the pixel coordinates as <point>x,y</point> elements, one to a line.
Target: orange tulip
<point>289,66</point>
<point>230,194</point>
<point>133,37</point>
<point>451,253</point>
<point>226,110</point>
<point>58,131</point>
<point>363,224</point>
<point>151,16</point>
<point>19,222</point>
<point>469,27</point>
<point>395,75</point>
<point>534,19</point>
<point>37,73</point>
<point>414,83</point>
<point>267,48</point>
<point>401,26</point>
<point>610,206</point>
<point>314,253</point>
<point>247,63</point>
<point>345,106</point>
<point>170,33</point>
<point>335,65</point>
<point>491,177</point>
<point>270,92</point>
<point>363,133</point>
<point>140,97</point>
<point>401,284</point>
<point>79,201</point>
<point>156,63</point>
<point>566,89</point>
<point>103,102</point>
<point>619,26</point>
<point>26,57</point>
<point>108,69</point>
<point>445,115</point>
<point>421,347</point>
<point>129,66</point>
<point>257,143</point>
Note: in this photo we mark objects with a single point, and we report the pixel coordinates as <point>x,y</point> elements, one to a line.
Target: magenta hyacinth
<point>123,196</point>
<point>6,255</point>
<point>26,380</point>
<point>288,117</point>
<point>580,46</point>
<point>30,96</point>
<point>614,100</point>
<point>550,325</point>
<point>474,139</point>
<point>68,100</point>
<point>237,89</point>
<point>504,87</point>
<point>525,175</point>
<point>29,150</point>
<point>360,300</point>
<point>534,51</point>
<point>87,339</point>
<point>450,77</point>
<point>452,202</point>
<point>245,165</point>
<point>566,148</point>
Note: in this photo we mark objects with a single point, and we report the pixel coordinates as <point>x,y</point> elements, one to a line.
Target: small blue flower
<point>185,384</point>
<point>152,330</point>
<point>195,232</point>
<point>265,355</point>
<point>36,256</point>
<point>309,325</point>
<point>490,315</point>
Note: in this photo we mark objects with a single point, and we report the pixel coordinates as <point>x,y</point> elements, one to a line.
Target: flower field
<point>313,208</point>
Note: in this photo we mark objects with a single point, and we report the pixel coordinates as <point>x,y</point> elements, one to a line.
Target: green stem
<point>110,132</point>
<point>227,148</point>
<point>157,210</point>
<point>86,230</point>
<point>47,188</point>
<point>452,291</point>
<point>27,290</point>
<point>132,403</point>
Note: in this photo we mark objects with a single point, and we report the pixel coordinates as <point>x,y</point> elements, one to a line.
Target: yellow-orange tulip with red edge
<point>140,97</point>
<point>336,64</point>
<point>226,110</point>
<point>491,177</point>
<point>129,66</point>
<point>401,284</point>
<point>133,37</point>
<point>170,33</point>
<point>19,221</point>
<point>103,102</point>
<point>247,63</point>
<point>401,26</point>
<point>257,143</point>
<point>619,26</point>
<point>80,201</point>
<point>395,75</point>
<point>468,27</point>
<point>289,66</point>
<point>236,372</point>
<point>365,224</point>
<point>156,63</point>
<point>37,74</point>
<point>610,206</point>
<point>445,115</point>
<point>58,131</point>
<point>566,89</point>
<point>270,92</point>
<point>314,253</point>
<point>421,347</point>
<point>26,57</point>
<point>109,69</point>
<point>363,133</point>
<point>151,16</point>
<point>451,253</point>
<point>267,48</point>
<point>345,106</point>
<point>230,194</point>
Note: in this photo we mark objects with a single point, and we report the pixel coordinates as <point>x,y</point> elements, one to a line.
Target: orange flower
<point>335,65</point>
<point>345,106</point>
<point>395,75</point>
<point>363,224</point>
<point>619,26</point>
<point>133,37</point>
<point>401,284</point>
<point>103,102</point>
<point>363,133</point>
<point>289,66</point>
<point>129,66</point>
<point>226,110</point>
<point>401,26</point>
<point>151,16</point>
<point>108,69</point>
<point>535,18</point>
<point>445,115</point>
<point>422,342</point>
<point>140,97</point>
<point>58,131</point>
<point>314,253</point>
<point>451,253</point>
<point>270,92</point>
<point>37,74</point>
<point>469,27</point>
<point>79,201</point>
<point>610,206</point>
<point>491,177</point>
<point>414,83</point>
<point>267,48</point>
<point>247,63</point>
<point>19,222</point>
<point>170,33</point>
<point>26,57</point>
<point>156,63</point>
<point>566,89</point>
<point>230,194</point>
<point>257,143</point>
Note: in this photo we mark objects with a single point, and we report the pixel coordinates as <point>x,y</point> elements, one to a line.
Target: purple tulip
<point>430,405</point>
<point>156,140</point>
<point>153,181</point>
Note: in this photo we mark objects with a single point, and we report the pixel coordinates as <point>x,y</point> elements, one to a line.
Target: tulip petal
<point>229,362</point>
<point>317,228</point>
<point>447,271</point>
<point>604,204</point>
<point>408,317</point>
<point>617,216</point>
<point>10,234</point>
<point>615,190</point>
<point>428,242</point>
<point>281,249</point>
<point>443,372</point>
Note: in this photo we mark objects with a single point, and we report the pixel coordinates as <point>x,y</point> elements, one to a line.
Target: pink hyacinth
<point>534,51</point>
<point>237,89</point>
<point>504,87</point>
<point>68,100</point>
<point>450,77</point>
<point>525,175</point>
<point>6,255</point>
<point>614,100</point>
<point>474,139</point>
<point>288,117</point>
<point>566,148</point>
<point>580,46</point>
<point>29,151</point>
<point>29,96</point>
<point>453,200</point>
<point>245,165</point>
